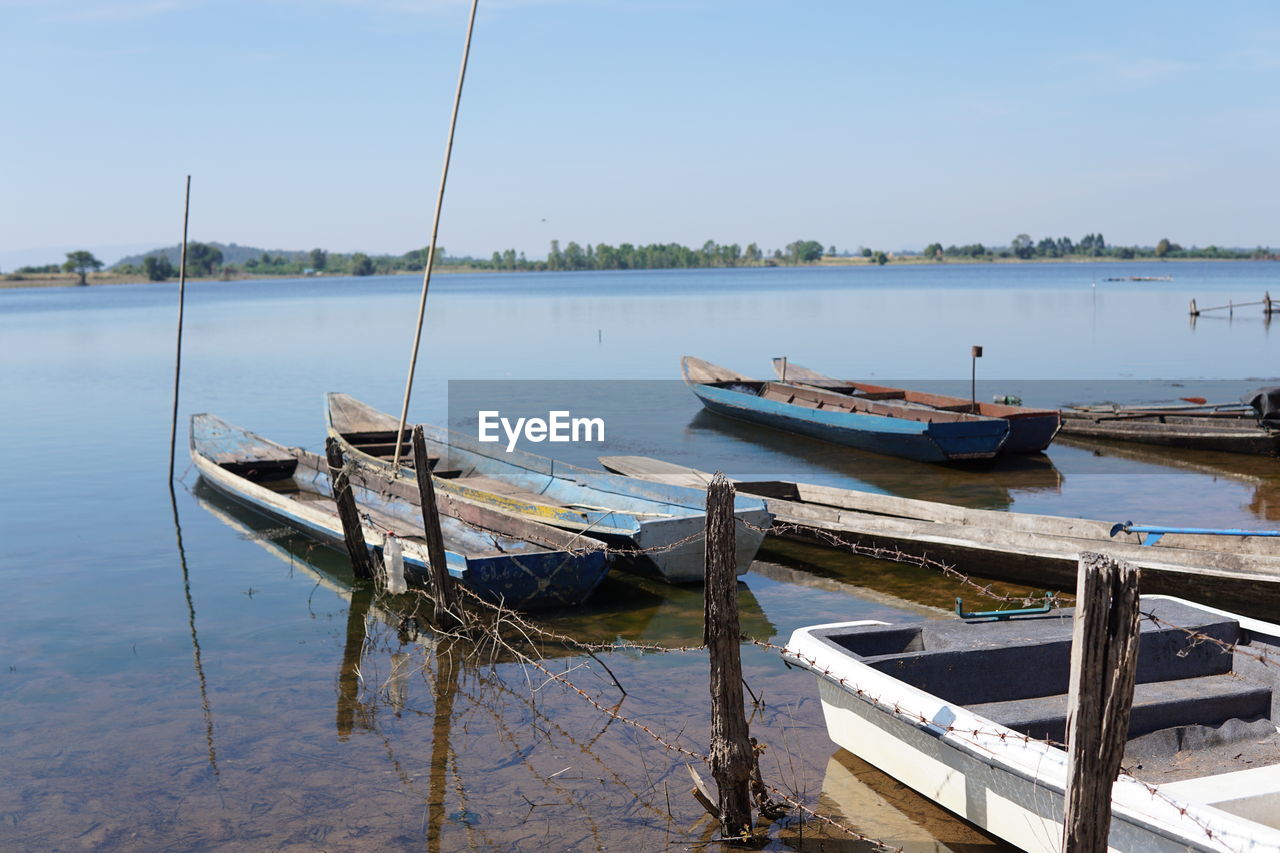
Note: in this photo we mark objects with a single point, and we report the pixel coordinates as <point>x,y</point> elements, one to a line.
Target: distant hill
<point>232,253</point>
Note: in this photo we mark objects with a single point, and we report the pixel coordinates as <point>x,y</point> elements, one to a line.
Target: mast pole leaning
<point>431,248</point>
<point>177,361</point>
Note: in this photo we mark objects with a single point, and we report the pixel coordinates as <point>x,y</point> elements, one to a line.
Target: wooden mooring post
<point>441,583</point>
<point>1104,662</point>
<point>352,531</point>
<point>732,756</point>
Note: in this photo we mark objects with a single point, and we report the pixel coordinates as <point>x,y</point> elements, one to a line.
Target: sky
<point>322,123</point>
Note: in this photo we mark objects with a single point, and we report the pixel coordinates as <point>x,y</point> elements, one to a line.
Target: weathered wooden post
<point>731,755</point>
<point>975,353</point>
<point>352,532</point>
<point>441,583</point>
<point>1104,662</point>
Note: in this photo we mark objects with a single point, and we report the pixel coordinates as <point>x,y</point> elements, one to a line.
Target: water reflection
<point>883,808</point>
<point>495,756</point>
<point>1257,472</point>
<point>986,485</point>
<point>205,708</point>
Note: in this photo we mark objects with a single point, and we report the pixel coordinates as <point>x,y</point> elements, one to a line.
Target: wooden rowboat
<point>1241,572</point>
<point>526,566</point>
<point>1030,430</point>
<point>1233,432</point>
<point>663,520</point>
<point>912,433</point>
<point>972,714</point>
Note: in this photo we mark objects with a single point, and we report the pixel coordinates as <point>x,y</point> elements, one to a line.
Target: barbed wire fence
<point>495,634</point>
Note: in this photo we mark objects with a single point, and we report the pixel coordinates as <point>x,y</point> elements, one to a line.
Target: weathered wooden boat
<point>525,565</point>
<point>971,715</point>
<point>1233,432</point>
<point>662,520</point>
<point>1237,571</point>
<point>924,435</point>
<point>1030,430</point>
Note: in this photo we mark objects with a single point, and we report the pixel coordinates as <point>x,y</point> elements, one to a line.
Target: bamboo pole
<point>732,757</point>
<point>177,363</point>
<point>1104,663</point>
<point>431,247</point>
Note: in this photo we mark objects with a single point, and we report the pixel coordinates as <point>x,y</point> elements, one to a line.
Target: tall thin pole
<point>182,295</point>
<point>431,248</point>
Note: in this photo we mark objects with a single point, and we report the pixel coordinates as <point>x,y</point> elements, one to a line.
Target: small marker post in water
<point>975,353</point>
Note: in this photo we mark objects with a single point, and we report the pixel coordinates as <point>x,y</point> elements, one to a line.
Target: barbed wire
<point>502,619</point>
<point>1199,638</point>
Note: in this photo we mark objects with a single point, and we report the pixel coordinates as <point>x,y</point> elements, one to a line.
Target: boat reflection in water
<point>458,725</point>
<point>881,807</point>
<point>1259,472</point>
<point>978,485</point>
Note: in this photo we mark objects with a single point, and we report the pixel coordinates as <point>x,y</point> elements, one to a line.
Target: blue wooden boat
<point>518,562</point>
<point>1030,430</point>
<point>663,520</point>
<point>909,432</point>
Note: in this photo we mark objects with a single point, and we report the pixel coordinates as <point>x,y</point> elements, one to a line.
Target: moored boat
<point>663,521</point>
<point>911,433</point>
<point>1233,432</point>
<point>1241,570</point>
<point>972,715</point>
<point>537,567</point>
<point>1030,430</point>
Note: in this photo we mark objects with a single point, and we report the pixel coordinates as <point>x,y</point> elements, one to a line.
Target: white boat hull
<point>1009,784</point>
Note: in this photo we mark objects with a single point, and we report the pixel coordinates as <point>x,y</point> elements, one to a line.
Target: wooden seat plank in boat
<point>1205,701</point>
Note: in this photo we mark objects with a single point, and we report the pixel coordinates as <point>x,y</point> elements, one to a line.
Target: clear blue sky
<point>322,123</point>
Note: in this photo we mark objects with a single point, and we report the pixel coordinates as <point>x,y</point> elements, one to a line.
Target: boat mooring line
<point>431,247</point>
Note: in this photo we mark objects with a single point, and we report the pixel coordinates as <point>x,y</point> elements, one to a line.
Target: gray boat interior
<point>1200,708</point>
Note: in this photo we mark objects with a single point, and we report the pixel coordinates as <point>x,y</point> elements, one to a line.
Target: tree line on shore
<point>1023,247</point>
<point>206,260</point>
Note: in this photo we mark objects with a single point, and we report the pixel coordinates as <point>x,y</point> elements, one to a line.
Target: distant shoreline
<point>9,281</point>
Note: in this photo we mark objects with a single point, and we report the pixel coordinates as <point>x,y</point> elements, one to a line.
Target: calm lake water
<point>220,684</point>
